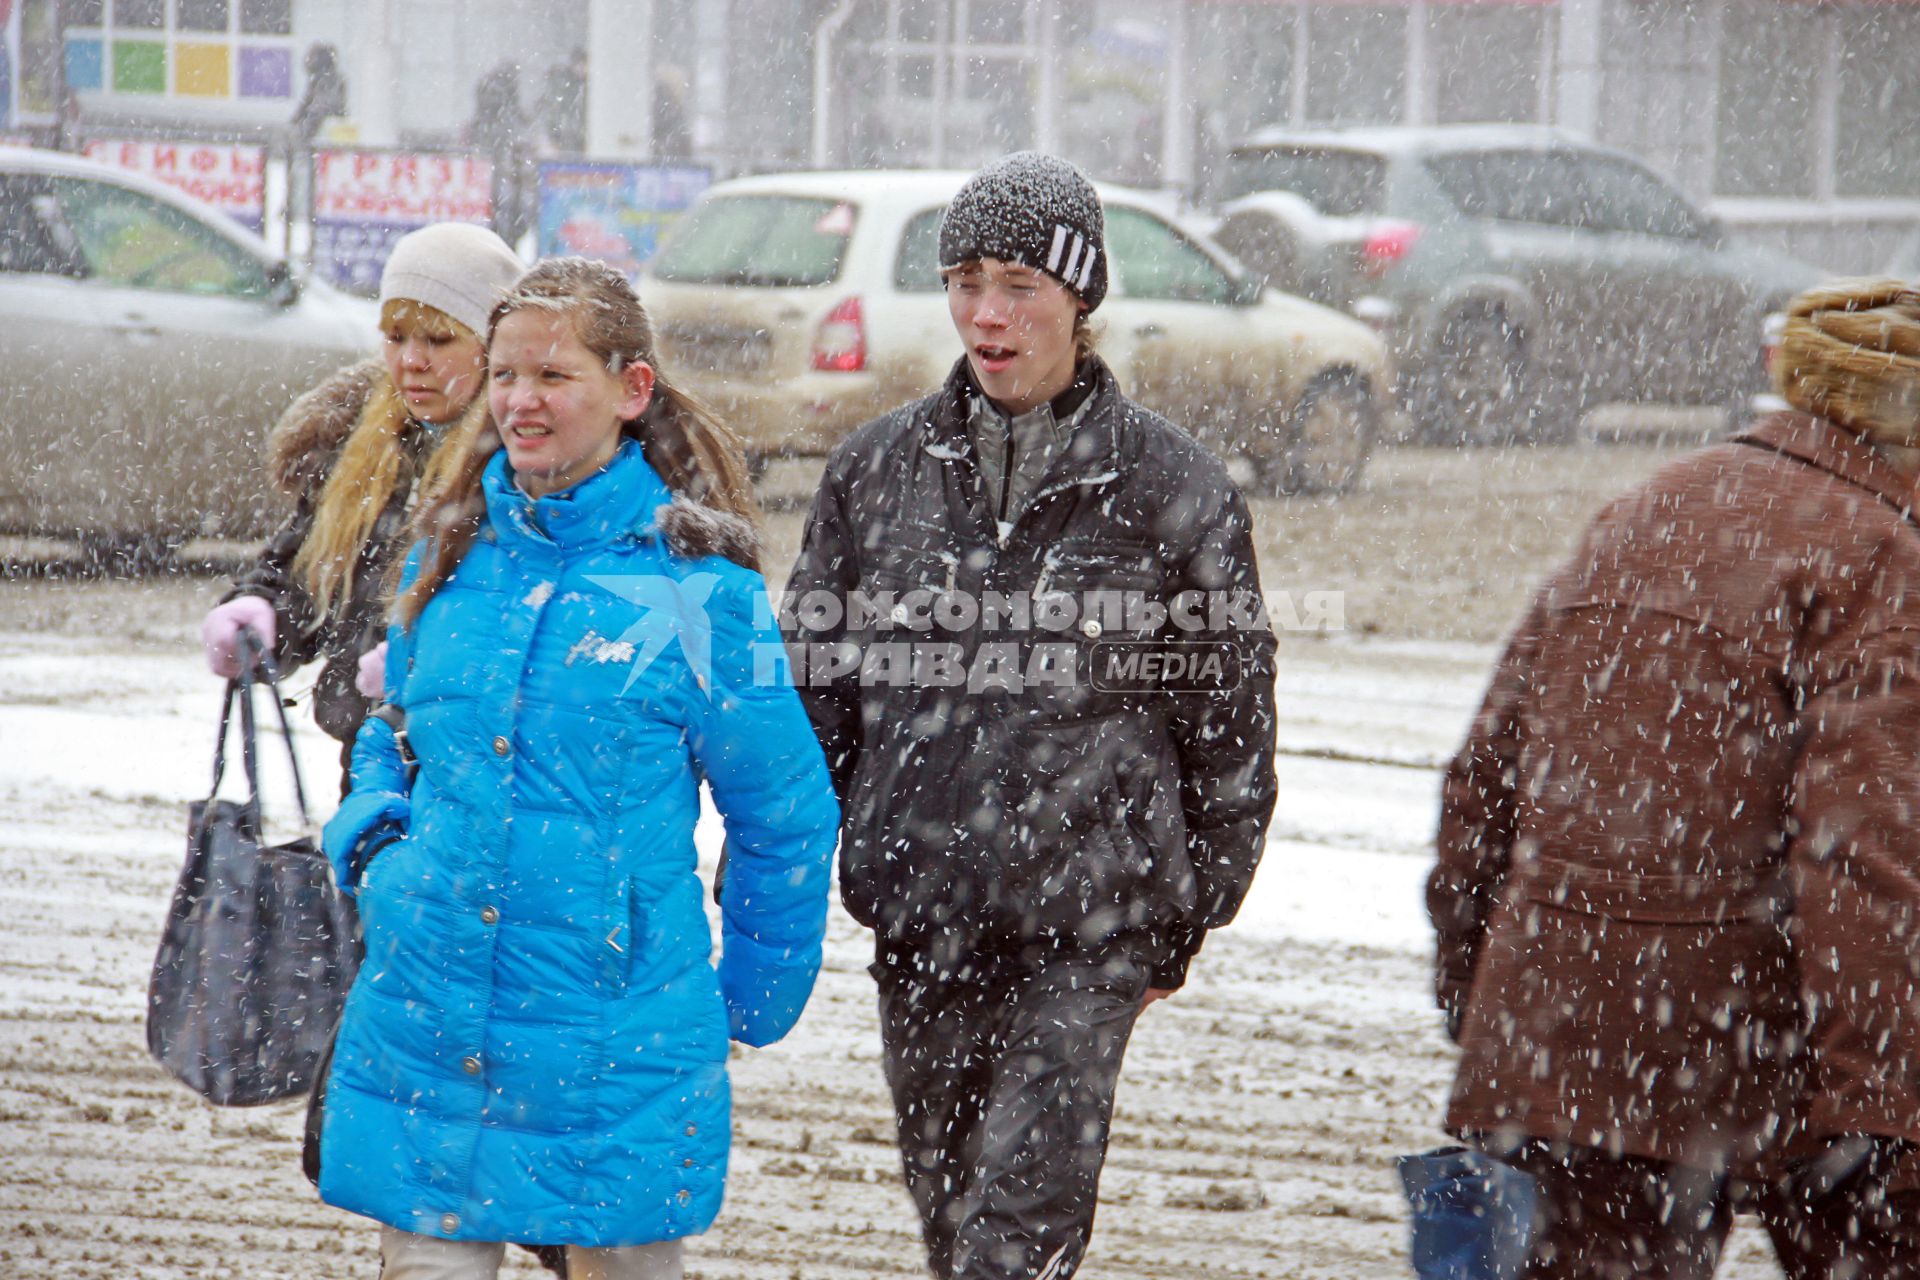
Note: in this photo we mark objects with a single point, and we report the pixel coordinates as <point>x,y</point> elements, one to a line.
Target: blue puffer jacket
<point>535,1049</point>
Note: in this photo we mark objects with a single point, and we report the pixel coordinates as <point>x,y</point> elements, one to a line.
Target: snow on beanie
<point>454,267</point>
<point>1850,353</point>
<point>1037,210</point>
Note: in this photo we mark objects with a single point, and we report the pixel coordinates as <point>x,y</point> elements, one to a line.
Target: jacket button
<point>692,1129</point>
<point>502,747</point>
<point>684,1196</point>
<point>489,915</point>
<point>470,1064</point>
<point>1090,628</point>
<point>449,1222</point>
<point>687,1163</point>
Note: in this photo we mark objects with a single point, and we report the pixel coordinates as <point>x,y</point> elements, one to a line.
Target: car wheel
<point>1471,387</point>
<point>1329,435</point>
<point>127,555</point>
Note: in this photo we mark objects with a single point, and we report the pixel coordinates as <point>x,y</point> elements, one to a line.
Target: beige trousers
<point>406,1256</point>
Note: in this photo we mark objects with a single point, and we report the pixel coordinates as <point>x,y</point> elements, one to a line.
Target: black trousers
<point>1003,1072</point>
<point>1605,1217</point>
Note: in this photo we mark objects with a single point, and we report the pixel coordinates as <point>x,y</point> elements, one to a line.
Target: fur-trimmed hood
<point>303,444</point>
<point>692,530</point>
<point>1850,353</point>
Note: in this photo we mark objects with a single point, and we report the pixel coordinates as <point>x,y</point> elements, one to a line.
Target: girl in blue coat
<point>535,1049</point>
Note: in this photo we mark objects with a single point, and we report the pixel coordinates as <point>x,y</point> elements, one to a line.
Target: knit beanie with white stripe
<point>1037,210</point>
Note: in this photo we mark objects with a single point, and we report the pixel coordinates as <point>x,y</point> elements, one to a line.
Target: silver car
<point>146,345</point>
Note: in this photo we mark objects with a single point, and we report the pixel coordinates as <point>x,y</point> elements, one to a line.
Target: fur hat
<point>454,267</point>
<point>1851,354</point>
<point>1036,210</point>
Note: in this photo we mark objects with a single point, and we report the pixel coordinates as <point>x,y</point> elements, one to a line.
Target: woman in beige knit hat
<point>353,453</point>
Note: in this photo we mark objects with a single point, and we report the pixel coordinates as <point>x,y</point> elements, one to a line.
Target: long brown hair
<point>695,453</point>
<point>369,468</point>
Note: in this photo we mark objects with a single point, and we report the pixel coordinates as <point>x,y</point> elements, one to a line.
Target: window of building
<point>202,15</point>
<point>1484,62</point>
<point>1249,53</point>
<point>936,82</point>
<point>266,17</point>
<point>1817,102</point>
<point>1357,65</point>
<point>1769,71</point>
<point>144,15</point>
<point>1877,146</point>
<point>197,49</point>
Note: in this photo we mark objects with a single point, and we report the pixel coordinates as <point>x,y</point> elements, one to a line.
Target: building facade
<point>1790,119</point>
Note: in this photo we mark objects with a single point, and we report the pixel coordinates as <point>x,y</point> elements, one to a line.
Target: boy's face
<point>1017,326</point>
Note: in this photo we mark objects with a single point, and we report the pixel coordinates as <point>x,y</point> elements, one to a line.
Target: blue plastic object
<point>1472,1215</point>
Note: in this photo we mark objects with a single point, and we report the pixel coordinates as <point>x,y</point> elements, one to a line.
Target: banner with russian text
<point>364,200</point>
<point>232,177</point>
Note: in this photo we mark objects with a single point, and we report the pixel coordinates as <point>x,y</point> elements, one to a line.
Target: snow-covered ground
<point>1258,1117</point>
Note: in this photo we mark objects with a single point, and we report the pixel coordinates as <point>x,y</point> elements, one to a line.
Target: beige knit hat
<point>1851,354</point>
<point>455,267</point>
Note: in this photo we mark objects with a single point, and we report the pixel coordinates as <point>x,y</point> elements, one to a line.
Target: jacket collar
<point>620,500</point>
<point>1091,454</point>
<point>1818,442</point>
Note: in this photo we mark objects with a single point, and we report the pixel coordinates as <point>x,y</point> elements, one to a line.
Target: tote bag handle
<point>256,667</point>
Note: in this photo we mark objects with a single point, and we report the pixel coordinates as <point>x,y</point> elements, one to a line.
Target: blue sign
<point>611,211</point>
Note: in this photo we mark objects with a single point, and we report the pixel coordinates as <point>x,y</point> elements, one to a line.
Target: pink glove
<point>371,680</point>
<point>220,632</point>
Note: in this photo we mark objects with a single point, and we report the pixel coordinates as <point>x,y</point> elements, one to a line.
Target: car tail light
<point>1385,245</point>
<point>840,343</point>
<point>1771,331</point>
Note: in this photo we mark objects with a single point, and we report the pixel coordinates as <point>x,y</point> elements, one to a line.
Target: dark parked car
<point>1520,275</point>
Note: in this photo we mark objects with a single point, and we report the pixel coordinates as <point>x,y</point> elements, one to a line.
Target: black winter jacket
<point>302,449</point>
<point>1012,812</point>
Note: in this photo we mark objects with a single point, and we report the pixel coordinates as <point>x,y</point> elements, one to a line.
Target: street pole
<point>374,82</point>
<point>1578,107</point>
<point>620,79</point>
<point>1046,113</point>
<point>823,38</point>
<point>710,133</point>
<point>10,64</point>
<point>1176,118</point>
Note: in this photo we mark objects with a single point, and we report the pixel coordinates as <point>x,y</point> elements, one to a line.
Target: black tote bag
<point>259,947</point>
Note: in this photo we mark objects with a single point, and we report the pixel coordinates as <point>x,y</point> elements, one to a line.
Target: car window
<point>1342,184</point>
<point>132,239</point>
<point>27,244</point>
<point>1622,196</point>
<point>1543,187</point>
<point>769,241</point>
<point>1155,261</point>
<point>916,268</point>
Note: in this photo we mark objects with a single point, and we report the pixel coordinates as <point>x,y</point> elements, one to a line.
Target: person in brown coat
<point>1678,889</point>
